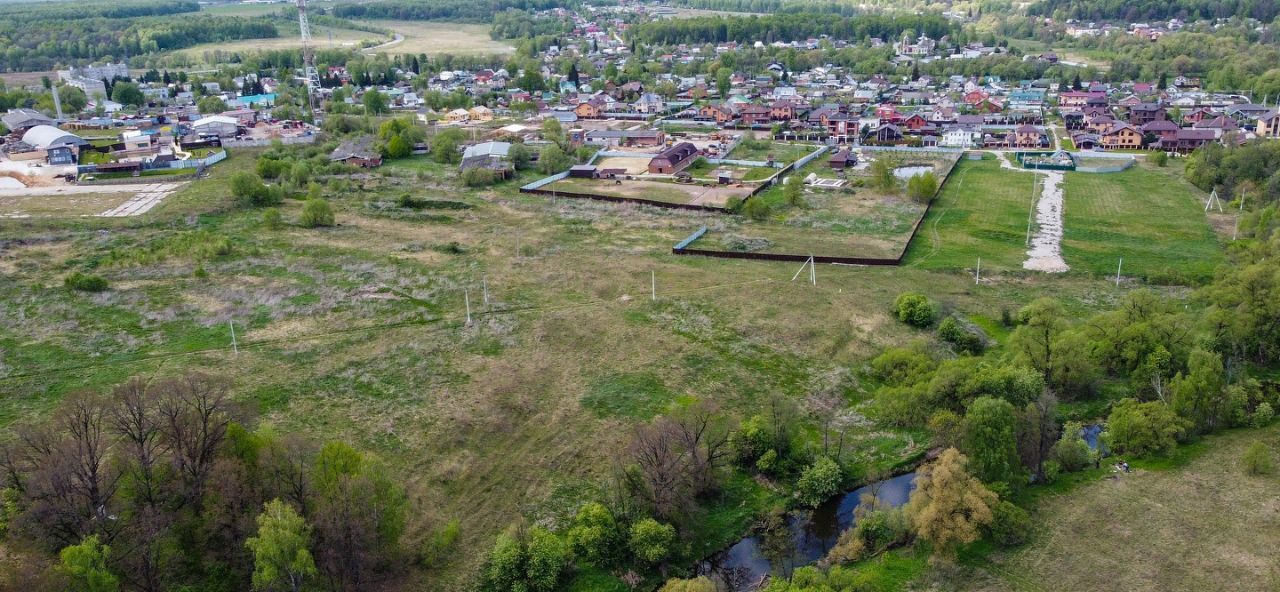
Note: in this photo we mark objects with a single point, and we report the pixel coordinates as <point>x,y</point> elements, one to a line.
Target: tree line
<point>1247,175</point>
<point>164,484</point>
<point>772,6</point>
<point>27,11</point>
<point>44,44</point>
<point>454,10</point>
<point>1155,10</point>
<point>787,27</point>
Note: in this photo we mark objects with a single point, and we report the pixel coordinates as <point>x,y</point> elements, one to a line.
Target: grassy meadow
<point>1202,524</point>
<point>359,332</point>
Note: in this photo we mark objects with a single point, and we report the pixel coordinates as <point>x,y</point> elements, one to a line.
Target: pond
<point>906,172</point>
<point>1090,434</point>
<point>810,537</point>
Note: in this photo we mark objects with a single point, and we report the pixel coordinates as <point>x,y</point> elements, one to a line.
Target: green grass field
<point>1151,217</point>
<point>981,212</point>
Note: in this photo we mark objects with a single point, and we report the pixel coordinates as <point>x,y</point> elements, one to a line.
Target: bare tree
<point>86,451</point>
<point>288,464</point>
<point>135,418</point>
<point>675,459</point>
<point>195,411</point>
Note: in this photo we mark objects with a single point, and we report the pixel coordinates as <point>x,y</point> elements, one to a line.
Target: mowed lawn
<point>981,212</point>
<point>1151,217</point>
<point>1204,526</point>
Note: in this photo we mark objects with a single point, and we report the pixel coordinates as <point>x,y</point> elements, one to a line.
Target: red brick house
<point>754,114</point>
<point>673,159</point>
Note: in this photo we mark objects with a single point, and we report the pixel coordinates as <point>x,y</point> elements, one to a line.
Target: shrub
<point>272,219</point>
<point>1071,451</point>
<point>316,212</point>
<point>651,541</point>
<point>83,282</point>
<point>957,333</point>
<point>1262,415</point>
<point>1257,459</point>
<point>819,481</point>
<point>1160,158</point>
<point>914,309</point>
<point>756,209</point>
<point>1010,525</point>
<point>436,549</point>
<point>922,187</point>
<point>249,190</point>
<point>478,177</point>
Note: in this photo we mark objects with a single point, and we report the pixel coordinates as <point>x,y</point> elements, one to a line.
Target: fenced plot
<point>662,192</point>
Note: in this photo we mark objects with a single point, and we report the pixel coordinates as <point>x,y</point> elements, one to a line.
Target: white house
<point>960,137</point>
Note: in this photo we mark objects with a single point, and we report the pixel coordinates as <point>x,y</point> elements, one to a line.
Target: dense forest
<point>44,43</point>
<point>24,12</point>
<point>454,10</point>
<point>771,6</point>
<point>787,27</point>
<point>1147,10</point>
<point>1224,60</point>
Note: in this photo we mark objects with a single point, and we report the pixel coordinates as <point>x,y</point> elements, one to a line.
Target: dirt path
<point>1045,253</point>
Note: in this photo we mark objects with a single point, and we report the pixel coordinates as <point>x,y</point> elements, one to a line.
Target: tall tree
<point>990,440</point>
<point>281,557</point>
<point>949,506</point>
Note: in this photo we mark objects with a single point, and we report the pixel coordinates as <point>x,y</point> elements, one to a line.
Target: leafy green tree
<point>397,147</point>
<point>85,565</point>
<point>552,131</point>
<point>819,481</point>
<point>316,212</point>
<point>915,309</point>
<point>445,145</point>
<point>72,98</point>
<point>281,554</point>
<point>1010,525</point>
<point>723,81</point>
<point>949,507</point>
<point>127,93</point>
<point>651,541</point>
<point>532,561</point>
<point>882,177</point>
<point>553,160</point>
<point>990,440</point>
<point>1199,396</point>
<point>375,103</point>
<point>1042,322</point>
<point>211,104</point>
<point>1141,429</point>
<point>521,156</point>
<point>595,536</point>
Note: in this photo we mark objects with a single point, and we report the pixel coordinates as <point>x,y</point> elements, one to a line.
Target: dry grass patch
<point>1205,526</point>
